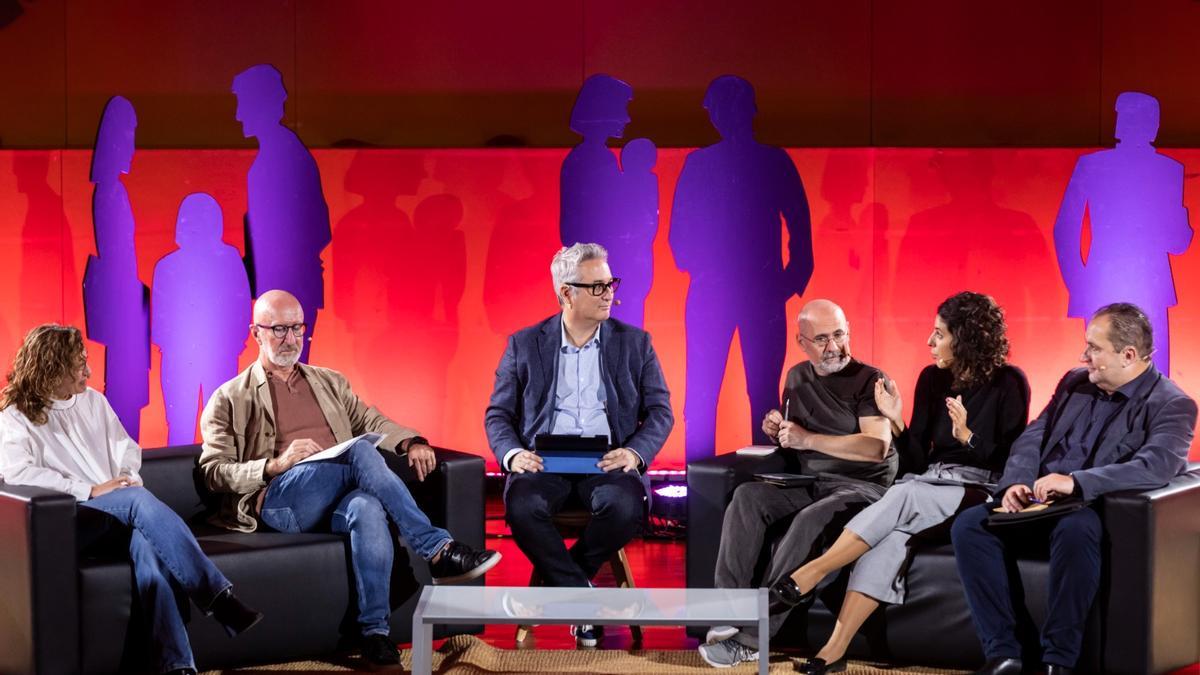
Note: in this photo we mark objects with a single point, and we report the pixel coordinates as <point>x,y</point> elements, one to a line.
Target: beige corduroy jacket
<point>238,427</point>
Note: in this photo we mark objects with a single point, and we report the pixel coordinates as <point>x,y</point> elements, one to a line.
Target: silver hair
<point>564,267</point>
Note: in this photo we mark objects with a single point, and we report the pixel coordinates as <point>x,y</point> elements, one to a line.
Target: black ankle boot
<point>233,614</point>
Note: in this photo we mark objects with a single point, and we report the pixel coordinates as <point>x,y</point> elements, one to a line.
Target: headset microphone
<point>616,302</point>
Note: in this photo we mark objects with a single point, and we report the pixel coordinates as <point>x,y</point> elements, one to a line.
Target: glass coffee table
<point>597,606</point>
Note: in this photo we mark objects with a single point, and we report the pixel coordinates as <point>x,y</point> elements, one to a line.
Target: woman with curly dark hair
<point>59,434</point>
<point>968,409</point>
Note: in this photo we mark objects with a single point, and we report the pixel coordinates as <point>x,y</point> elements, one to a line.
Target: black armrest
<point>711,483</point>
<point>39,606</point>
<point>1152,609</point>
<point>452,496</point>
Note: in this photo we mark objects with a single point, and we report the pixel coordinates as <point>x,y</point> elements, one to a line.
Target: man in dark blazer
<point>578,373</point>
<point>1118,424</point>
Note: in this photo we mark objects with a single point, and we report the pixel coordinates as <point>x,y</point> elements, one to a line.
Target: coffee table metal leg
<point>422,637</point>
<point>764,633</point>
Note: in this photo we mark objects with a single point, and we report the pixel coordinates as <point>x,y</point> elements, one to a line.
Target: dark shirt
<point>1075,450</point>
<point>997,412</point>
<point>831,404</point>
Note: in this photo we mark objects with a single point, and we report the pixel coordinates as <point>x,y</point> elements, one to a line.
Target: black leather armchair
<point>1145,620</point>
<point>63,614</point>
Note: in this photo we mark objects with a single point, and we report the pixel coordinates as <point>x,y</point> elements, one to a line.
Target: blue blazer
<point>1144,446</point>
<point>522,404</point>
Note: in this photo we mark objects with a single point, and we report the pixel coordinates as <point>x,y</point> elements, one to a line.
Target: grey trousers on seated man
<point>821,511</point>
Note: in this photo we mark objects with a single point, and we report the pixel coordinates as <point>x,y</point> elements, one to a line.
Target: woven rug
<point>468,655</point>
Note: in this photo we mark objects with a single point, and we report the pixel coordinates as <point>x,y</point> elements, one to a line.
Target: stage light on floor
<point>668,510</point>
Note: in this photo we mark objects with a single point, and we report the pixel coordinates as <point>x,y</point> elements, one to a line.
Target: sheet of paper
<point>757,450</point>
<point>329,453</point>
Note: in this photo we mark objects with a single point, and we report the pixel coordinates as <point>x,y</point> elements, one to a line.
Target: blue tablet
<point>570,454</point>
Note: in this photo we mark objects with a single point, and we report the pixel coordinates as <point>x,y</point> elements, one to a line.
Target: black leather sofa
<point>63,614</point>
<point>1146,618</point>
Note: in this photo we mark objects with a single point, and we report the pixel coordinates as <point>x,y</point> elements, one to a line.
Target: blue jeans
<point>165,558</point>
<point>355,494</point>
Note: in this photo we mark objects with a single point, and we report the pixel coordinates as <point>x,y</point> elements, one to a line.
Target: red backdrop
<point>894,230</point>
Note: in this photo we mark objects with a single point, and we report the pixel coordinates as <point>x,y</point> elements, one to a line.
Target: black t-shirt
<point>831,404</point>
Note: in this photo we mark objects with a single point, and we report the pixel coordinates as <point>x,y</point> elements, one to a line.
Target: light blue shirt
<point>579,394</point>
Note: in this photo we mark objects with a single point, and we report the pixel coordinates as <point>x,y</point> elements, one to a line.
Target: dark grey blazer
<point>639,405</point>
<point>1145,444</point>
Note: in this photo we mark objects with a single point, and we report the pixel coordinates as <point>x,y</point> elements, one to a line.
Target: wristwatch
<point>414,440</point>
<point>970,441</point>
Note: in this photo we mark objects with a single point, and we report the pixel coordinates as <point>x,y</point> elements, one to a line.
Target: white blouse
<point>81,445</point>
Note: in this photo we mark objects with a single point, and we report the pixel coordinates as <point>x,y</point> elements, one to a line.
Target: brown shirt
<point>297,413</point>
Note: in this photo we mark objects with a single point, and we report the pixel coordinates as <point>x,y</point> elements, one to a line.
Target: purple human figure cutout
<point>640,194</point>
<point>1133,197</point>
<point>595,201</point>
<point>287,224</point>
<point>115,301</point>
<point>200,307</point>
<point>727,235</point>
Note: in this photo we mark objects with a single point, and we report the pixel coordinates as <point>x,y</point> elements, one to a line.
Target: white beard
<point>284,360</point>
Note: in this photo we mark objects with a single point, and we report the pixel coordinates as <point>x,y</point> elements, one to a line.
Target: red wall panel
<point>895,231</point>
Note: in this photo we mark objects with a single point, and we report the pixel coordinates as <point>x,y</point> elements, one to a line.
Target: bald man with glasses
<point>259,428</point>
<point>830,420</point>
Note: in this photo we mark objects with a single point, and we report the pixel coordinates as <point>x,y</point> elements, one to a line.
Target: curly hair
<point>49,354</point>
<point>980,345</point>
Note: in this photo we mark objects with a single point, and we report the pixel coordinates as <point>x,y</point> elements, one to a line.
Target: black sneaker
<point>459,563</point>
<point>379,652</point>
<point>233,614</point>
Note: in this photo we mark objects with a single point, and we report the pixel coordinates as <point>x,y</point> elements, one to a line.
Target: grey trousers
<point>821,511</point>
<point>886,526</point>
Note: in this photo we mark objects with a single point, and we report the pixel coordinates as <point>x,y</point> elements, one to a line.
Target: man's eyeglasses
<point>280,331</point>
<point>822,341</point>
<point>600,287</point>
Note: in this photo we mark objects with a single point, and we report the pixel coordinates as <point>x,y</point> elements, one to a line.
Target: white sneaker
<point>718,633</point>
<point>727,653</point>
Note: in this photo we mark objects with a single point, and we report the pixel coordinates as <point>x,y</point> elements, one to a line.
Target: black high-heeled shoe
<point>785,592</point>
<point>816,666</point>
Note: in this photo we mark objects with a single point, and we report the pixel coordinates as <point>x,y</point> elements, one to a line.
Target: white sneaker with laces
<point>727,653</point>
<point>718,633</point>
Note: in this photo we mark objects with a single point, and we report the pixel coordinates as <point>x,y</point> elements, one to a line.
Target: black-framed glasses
<point>822,341</point>
<point>280,331</point>
<point>599,288</point>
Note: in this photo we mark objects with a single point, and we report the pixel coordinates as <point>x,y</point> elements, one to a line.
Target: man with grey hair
<point>833,427</point>
<point>578,373</point>
<point>1116,424</point>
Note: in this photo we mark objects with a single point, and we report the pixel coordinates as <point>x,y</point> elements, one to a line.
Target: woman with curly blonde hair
<point>59,434</point>
<point>968,408</point>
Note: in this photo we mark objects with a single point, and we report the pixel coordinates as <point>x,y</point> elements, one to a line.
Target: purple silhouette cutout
<point>598,204</point>
<point>287,225</point>
<point>726,234</point>
<point>116,302</point>
<point>1133,197</point>
<point>200,306</point>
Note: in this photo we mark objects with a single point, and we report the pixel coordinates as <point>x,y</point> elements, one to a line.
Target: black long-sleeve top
<point>997,412</point>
